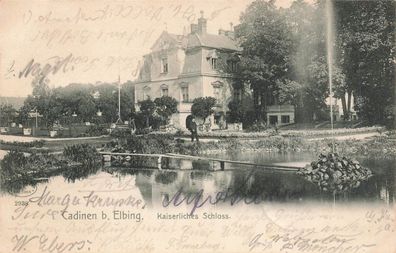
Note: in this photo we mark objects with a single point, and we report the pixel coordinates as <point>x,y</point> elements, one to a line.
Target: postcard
<point>197,126</point>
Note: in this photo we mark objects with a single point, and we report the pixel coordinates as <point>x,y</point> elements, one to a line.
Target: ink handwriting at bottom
<point>257,242</point>
<point>47,244</point>
<point>301,242</point>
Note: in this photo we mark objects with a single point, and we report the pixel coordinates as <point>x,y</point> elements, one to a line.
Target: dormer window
<point>232,66</point>
<point>212,57</point>
<point>214,63</point>
<point>164,65</point>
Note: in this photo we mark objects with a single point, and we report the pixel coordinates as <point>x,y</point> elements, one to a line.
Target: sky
<point>81,41</point>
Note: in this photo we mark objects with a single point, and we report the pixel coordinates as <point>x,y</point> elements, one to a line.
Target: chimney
<point>194,28</point>
<point>202,24</point>
<point>230,34</point>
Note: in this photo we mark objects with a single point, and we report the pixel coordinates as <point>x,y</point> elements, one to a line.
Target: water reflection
<point>79,172</point>
<point>276,186</point>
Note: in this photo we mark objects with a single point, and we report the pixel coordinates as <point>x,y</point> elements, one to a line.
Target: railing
<point>178,161</point>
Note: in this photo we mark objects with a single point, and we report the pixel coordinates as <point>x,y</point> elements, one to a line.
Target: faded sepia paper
<point>97,41</point>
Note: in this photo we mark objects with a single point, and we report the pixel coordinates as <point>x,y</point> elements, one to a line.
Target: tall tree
<point>367,53</point>
<point>264,36</point>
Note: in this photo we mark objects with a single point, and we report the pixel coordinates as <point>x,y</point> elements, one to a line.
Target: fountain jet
<point>330,58</point>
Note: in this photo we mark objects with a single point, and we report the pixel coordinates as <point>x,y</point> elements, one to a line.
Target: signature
<point>308,242</point>
<point>47,244</point>
<point>197,200</point>
<point>37,70</point>
<point>91,199</point>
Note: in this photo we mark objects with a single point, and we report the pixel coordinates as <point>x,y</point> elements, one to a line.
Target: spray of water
<point>330,54</point>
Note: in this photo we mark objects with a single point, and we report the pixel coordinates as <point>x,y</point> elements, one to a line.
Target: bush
<point>154,122</point>
<point>335,174</point>
<point>165,107</point>
<point>236,112</point>
<point>18,170</point>
<point>96,130</point>
<point>82,153</point>
<point>203,107</point>
<point>120,133</point>
<point>151,143</point>
<point>35,144</point>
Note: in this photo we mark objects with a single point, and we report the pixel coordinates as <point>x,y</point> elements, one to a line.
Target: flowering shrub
<point>328,132</point>
<point>335,174</point>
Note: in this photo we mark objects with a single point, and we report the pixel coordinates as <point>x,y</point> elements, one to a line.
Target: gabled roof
<point>170,38</point>
<point>197,40</point>
<point>212,41</point>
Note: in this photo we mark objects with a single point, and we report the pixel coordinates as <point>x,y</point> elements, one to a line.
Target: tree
<point>107,102</point>
<point>264,36</point>
<point>7,114</point>
<point>367,55</point>
<point>147,109</point>
<point>307,61</point>
<point>236,111</point>
<point>165,107</point>
<point>202,107</point>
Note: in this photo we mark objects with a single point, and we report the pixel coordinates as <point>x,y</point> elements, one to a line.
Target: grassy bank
<point>381,146</point>
<point>18,169</point>
<point>309,133</point>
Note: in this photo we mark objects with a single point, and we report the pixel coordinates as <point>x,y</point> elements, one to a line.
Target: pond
<point>268,185</point>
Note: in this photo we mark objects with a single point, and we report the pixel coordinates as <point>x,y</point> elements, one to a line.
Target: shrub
<point>165,107</point>
<point>203,107</point>
<point>18,170</point>
<point>120,133</point>
<point>147,109</point>
<point>96,130</point>
<point>35,144</point>
<point>150,144</point>
<point>236,111</point>
<point>145,124</point>
<point>82,153</point>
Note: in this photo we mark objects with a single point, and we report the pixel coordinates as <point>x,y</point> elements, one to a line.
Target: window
<point>184,91</point>
<point>285,119</point>
<point>238,94</point>
<point>164,90</point>
<point>146,93</point>
<point>164,65</point>
<point>214,63</point>
<point>217,93</point>
<point>273,120</point>
<point>232,66</point>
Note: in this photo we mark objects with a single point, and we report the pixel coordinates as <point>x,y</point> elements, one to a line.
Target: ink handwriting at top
<point>113,11</point>
<point>102,14</point>
<point>36,70</point>
<point>46,244</point>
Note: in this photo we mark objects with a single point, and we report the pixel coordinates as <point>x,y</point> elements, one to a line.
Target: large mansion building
<point>195,65</point>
